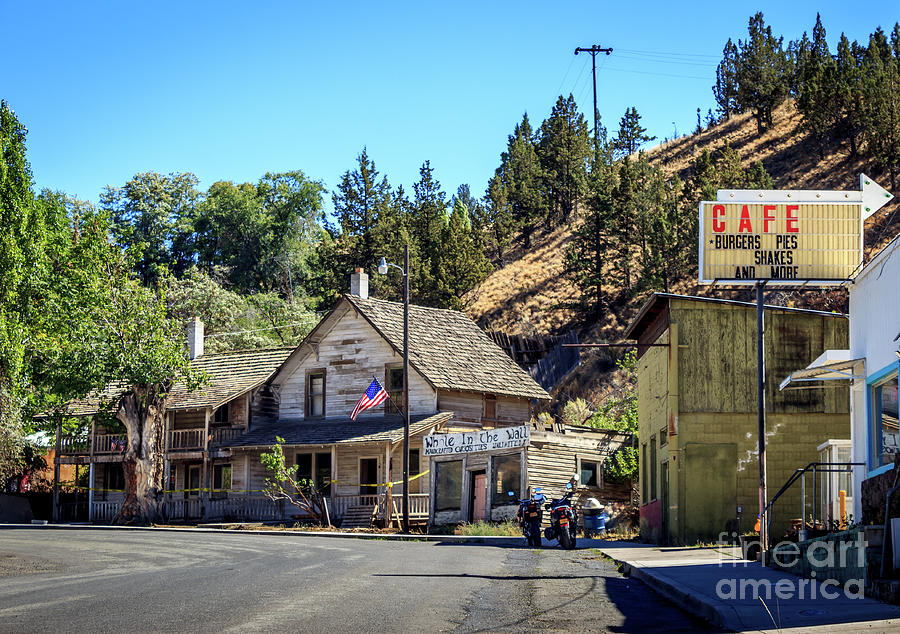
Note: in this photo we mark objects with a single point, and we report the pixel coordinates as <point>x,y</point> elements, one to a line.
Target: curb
<point>685,600</point>
<point>463,539</point>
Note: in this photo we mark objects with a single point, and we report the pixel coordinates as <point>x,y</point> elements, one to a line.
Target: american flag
<point>375,395</point>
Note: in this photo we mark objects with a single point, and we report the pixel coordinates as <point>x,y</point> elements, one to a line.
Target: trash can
<point>594,517</point>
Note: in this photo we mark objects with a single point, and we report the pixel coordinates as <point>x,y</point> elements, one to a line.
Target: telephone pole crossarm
<point>593,51</point>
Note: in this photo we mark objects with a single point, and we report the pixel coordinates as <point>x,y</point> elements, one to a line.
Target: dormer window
<point>394,386</point>
<point>221,415</point>
<point>315,394</point>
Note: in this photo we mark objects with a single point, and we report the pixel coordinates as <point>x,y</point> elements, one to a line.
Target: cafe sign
<point>476,441</point>
<point>788,236</point>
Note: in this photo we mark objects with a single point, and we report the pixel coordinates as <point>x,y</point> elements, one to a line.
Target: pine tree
<point>588,255</point>
<point>427,222</point>
<point>521,174</point>
<point>763,73</point>
<point>848,92</point>
<point>463,264</point>
<point>725,90</point>
<point>498,217</point>
<point>632,135</point>
<point>564,151</point>
<point>881,101</point>
<point>816,76</point>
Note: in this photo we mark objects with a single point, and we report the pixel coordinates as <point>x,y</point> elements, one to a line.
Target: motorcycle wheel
<point>565,539</point>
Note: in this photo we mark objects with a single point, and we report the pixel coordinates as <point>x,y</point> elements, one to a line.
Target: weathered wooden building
<point>472,477</point>
<point>697,411</point>
<point>457,377</point>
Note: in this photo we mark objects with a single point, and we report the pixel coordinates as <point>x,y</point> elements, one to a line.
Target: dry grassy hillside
<point>532,294</point>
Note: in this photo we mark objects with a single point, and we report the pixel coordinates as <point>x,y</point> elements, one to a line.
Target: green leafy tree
<point>282,483</point>
<point>153,215</point>
<point>22,266</point>
<point>619,412</point>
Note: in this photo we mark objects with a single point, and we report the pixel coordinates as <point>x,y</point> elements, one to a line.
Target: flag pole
<point>406,388</point>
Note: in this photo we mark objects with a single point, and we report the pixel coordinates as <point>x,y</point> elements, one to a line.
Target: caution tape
<point>211,490</point>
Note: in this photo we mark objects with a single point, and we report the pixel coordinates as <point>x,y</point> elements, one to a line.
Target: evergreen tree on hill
<point>881,101</point>
<point>763,72</point>
<point>521,174</point>
<point>815,79</point>
<point>632,135</point>
<point>725,89</point>
<point>427,221</point>
<point>564,151</point>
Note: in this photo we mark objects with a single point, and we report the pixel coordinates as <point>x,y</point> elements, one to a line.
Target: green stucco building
<point>697,408</point>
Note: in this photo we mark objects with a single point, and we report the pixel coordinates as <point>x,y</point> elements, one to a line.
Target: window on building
<point>885,436</point>
<point>645,469</point>
<point>490,407</point>
<point>663,436</point>
<point>414,462</point>
<point>315,470</point>
<point>315,394</point>
<point>323,472</point>
<point>653,467</point>
<point>221,479</point>
<point>113,479</point>
<point>448,486</point>
<point>221,415</point>
<point>507,474</point>
<point>394,386</point>
<point>590,473</point>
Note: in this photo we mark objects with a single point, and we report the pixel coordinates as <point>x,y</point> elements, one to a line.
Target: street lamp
<point>404,270</point>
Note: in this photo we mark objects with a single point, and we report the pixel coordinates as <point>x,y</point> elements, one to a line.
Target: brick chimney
<point>195,338</point>
<point>359,284</point>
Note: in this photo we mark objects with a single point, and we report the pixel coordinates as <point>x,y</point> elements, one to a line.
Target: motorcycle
<point>563,520</point>
<point>530,515</point>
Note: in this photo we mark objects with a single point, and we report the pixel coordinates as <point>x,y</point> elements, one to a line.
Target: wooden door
<point>368,474</point>
<point>479,493</point>
<point>192,481</point>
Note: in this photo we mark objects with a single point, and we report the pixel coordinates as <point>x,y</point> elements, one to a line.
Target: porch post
<point>388,492</point>
<point>332,489</point>
<point>91,472</point>
<point>204,474</point>
<point>56,471</point>
<point>168,467</point>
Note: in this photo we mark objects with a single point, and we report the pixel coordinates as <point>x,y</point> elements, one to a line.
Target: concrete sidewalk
<point>743,596</point>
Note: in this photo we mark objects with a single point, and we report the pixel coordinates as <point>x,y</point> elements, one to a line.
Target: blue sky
<point>232,90</point>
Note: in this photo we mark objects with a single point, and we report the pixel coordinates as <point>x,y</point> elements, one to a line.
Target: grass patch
<point>489,529</point>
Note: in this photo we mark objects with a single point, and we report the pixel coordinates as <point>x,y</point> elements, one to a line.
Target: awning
<point>832,365</point>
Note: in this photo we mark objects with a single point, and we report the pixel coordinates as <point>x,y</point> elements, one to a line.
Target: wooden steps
<point>359,516</point>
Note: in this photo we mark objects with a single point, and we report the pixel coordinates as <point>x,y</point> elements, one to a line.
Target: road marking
<point>45,604</point>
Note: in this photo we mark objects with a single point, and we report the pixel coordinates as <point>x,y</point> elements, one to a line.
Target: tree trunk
<point>142,411</point>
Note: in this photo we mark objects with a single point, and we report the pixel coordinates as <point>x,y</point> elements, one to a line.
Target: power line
<point>647,72</point>
<point>593,50</point>
<point>243,332</point>
<point>671,53</point>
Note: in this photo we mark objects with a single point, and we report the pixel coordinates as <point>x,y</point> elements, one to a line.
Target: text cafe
<point>473,472</point>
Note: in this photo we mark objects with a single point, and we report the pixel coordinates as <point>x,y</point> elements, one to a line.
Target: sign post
<point>784,238</point>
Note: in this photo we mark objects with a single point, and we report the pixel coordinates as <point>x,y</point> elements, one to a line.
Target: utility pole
<point>593,51</point>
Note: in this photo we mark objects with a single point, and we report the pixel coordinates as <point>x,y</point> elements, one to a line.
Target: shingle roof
<point>335,431</point>
<point>230,374</point>
<point>449,349</point>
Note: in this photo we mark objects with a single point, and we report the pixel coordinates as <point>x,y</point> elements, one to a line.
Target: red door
<point>478,497</point>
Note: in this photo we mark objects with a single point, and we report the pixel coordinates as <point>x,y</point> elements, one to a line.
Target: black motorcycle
<point>530,515</point>
<point>563,520</point>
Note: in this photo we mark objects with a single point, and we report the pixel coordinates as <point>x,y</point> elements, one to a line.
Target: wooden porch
<point>258,508</point>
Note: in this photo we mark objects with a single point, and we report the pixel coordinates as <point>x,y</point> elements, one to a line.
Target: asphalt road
<point>141,581</point>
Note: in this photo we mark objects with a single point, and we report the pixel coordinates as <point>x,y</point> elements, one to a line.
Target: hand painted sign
<point>474,441</point>
<point>790,236</point>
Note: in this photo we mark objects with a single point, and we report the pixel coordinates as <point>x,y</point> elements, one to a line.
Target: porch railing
<point>239,508</point>
<point>186,439</point>
<point>224,434</point>
<point>103,444</point>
